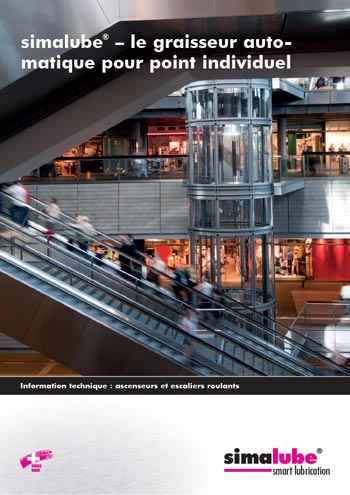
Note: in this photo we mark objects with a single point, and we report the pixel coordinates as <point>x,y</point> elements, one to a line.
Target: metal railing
<point>129,168</point>
<point>327,164</point>
<point>329,323</point>
<point>116,168</point>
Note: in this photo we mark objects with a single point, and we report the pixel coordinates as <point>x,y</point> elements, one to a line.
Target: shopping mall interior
<point>237,176</point>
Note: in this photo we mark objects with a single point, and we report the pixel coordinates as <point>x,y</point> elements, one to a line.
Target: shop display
<point>174,252</point>
<point>293,258</point>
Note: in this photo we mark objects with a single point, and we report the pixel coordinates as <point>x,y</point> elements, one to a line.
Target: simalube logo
<point>276,462</point>
<point>34,460</point>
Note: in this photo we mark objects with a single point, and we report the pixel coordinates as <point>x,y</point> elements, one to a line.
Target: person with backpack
<point>128,249</point>
<point>180,284</point>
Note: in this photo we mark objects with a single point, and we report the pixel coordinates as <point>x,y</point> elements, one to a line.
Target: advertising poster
<point>174,246</point>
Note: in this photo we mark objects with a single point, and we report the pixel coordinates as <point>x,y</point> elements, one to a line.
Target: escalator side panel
<point>72,339</point>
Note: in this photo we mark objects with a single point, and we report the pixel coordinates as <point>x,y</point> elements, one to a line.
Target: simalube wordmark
<point>276,462</point>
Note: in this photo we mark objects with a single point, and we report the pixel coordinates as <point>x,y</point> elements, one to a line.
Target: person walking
<point>84,230</point>
<point>127,250</point>
<point>160,266</point>
<point>53,211</point>
<point>180,284</point>
<point>206,289</point>
<point>188,324</point>
<point>20,198</point>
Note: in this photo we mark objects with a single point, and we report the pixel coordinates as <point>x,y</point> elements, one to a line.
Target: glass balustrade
<point>116,168</point>
<point>328,164</point>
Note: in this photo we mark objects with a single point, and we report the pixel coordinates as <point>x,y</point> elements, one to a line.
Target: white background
<point>168,444</point>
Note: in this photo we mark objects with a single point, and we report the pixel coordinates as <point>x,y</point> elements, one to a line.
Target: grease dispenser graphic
<point>34,459</point>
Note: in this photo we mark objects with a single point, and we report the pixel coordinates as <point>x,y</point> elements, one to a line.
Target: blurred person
<point>160,265</point>
<point>206,289</point>
<point>320,83</point>
<point>340,359</point>
<point>188,324</point>
<point>192,282</point>
<point>53,211</point>
<point>216,295</point>
<point>129,248</point>
<point>180,284</point>
<point>85,229</point>
<point>20,198</point>
<point>150,272</point>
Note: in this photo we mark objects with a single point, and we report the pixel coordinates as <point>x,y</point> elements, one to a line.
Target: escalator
<point>232,344</point>
<point>121,311</point>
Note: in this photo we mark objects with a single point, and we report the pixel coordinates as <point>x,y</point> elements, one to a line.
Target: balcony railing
<point>327,322</point>
<point>101,168</point>
<point>82,169</point>
<point>329,164</point>
<point>324,83</point>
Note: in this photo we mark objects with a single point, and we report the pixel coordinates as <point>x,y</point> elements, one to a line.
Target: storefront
<point>169,140</point>
<point>71,167</point>
<point>234,258</point>
<point>338,140</point>
<point>129,145</point>
<point>308,137</point>
<point>312,259</point>
<point>174,252</point>
<point>293,259</point>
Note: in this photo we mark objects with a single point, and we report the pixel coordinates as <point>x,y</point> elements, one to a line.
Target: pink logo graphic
<point>35,458</point>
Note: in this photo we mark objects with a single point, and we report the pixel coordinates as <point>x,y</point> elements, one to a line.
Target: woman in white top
<point>53,210</point>
<point>158,264</point>
<point>85,229</point>
<point>20,197</point>
<point>188,325</point>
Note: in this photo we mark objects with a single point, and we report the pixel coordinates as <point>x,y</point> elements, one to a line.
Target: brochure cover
<point>174,246</point>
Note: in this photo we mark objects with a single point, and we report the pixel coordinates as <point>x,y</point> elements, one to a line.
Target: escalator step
<point>105,298</point>
<point>91,291</point>
<point>142,318</point>
<point>63,277</point>
<point>161,327</point>
<point>134,314</point>
<point>46,268</point>
<point>79,286</point>
<point>120,305</point>
<point>50,270</point>
<point>126,309</point>
<point>55,273</point>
